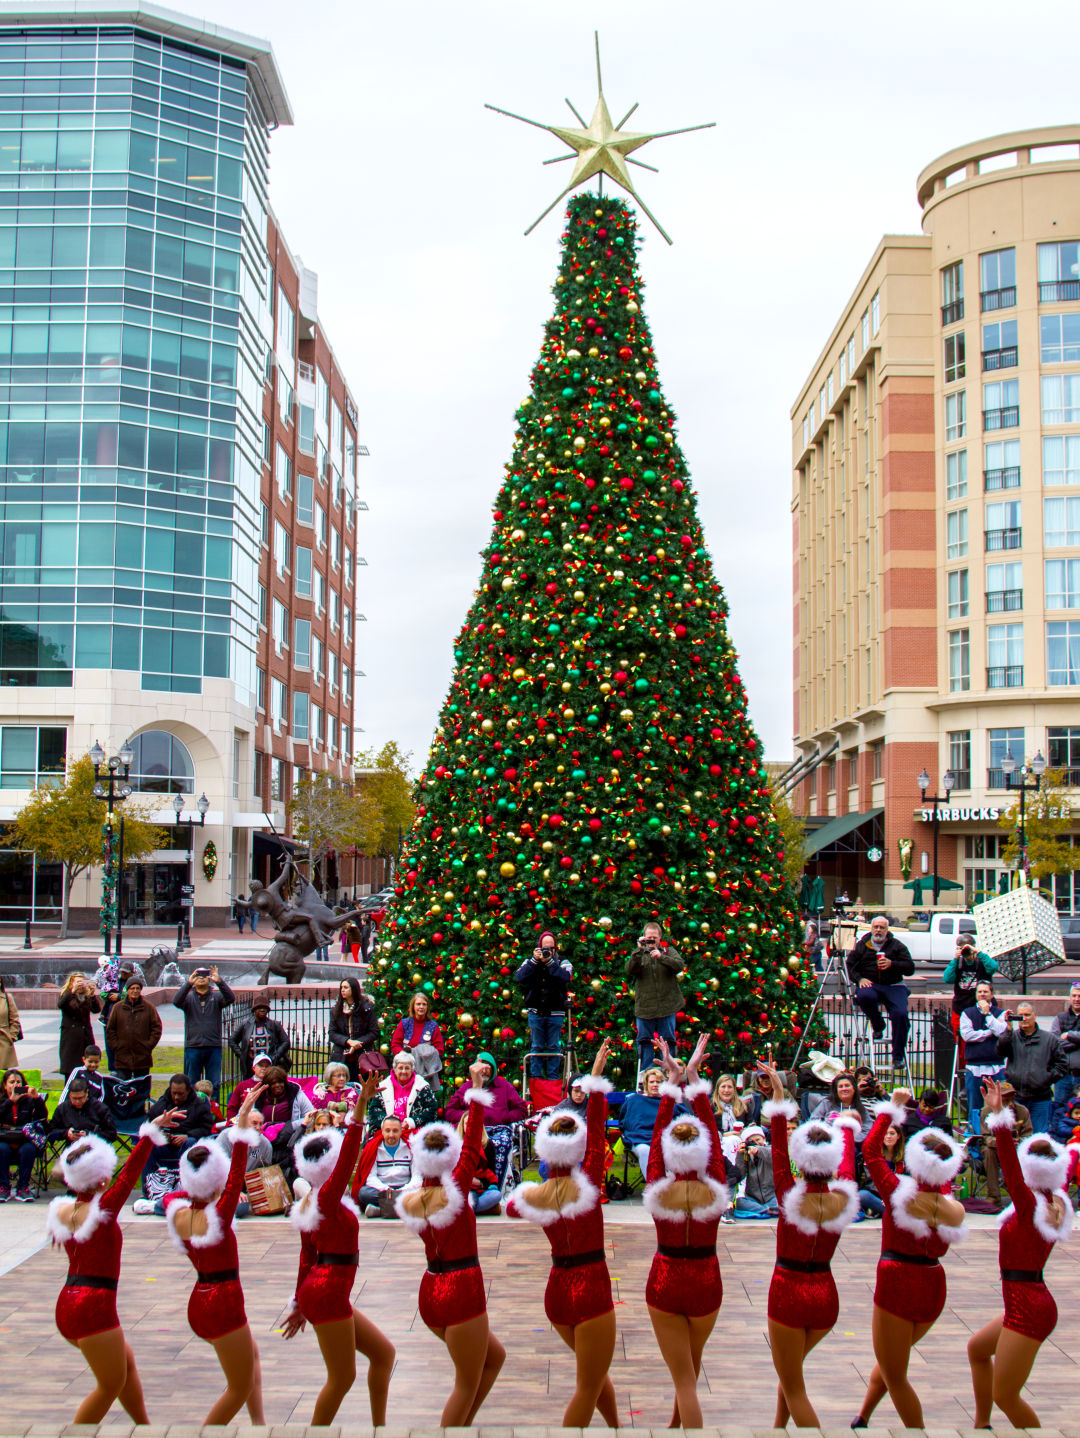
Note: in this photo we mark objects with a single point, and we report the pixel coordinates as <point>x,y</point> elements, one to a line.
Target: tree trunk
<point>66,906</point>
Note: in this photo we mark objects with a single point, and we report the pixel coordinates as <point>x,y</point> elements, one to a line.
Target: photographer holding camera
<point>657,996</point>
<point>545,977</point>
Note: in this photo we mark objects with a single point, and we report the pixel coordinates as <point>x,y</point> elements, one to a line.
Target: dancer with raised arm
<point>326,1219</point>
<point>814,1211</point>
<point>920,1220</point>
<point>1003,1353</point>
<point>435,1205</point>
<point>85,1226</point>
<point>685,1193</point>
<point>200,1218</point>
<point>566,1205</point>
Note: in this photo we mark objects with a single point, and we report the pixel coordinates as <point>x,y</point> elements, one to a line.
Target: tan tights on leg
<point>894,1338</point>
<point>113,1365</point>
<point>1001,1363</point>
<point>593,1343</point>
<point>339,1342</point>
<point>789,1349</point>
<point>682,1341</point>
<point>238,1355</point>
<point>477,1357</point>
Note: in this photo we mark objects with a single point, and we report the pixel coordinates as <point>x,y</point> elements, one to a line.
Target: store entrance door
<point>152,894</point>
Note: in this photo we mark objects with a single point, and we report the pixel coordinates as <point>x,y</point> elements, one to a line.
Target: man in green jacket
<point>654,965</point>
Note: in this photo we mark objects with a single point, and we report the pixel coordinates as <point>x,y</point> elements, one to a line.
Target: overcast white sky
<point>409,199</point>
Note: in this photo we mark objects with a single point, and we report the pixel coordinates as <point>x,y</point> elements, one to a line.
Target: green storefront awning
<point>837,829</point>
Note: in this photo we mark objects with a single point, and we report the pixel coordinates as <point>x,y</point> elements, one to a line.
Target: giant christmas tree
<point>594,765</point>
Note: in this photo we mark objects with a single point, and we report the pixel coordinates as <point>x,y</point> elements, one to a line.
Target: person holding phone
<point>20,1106</point>
<point>654,966</point>
<point>545,978</point>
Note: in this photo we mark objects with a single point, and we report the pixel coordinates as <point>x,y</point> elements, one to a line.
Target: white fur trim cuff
<point>696,1089</point>
<point>480,1096</point>
<point>896,1113</point>
<point>250,1136</point>
<point>153,1133</point>
<point>1004,1118</point>
<point>779,1108</point>
<point>596,1083</point>
<point>847,1120</point>
<point>671,1090</point>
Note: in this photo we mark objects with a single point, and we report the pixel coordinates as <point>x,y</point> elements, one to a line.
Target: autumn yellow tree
<point>1047,821</point>
<point>385,787</point>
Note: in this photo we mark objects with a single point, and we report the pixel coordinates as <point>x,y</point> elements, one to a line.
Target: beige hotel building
<point>936,526</point>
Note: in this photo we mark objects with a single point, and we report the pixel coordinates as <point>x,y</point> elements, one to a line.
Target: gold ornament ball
<point>783,972</point>
<point>752,928</point>
<point>631,308</point>
<point>507,870</point>
<point>714,983</point>
<point>465,1021</point>
<point>518,673</point>
<point>579,443</point>
<point>794,961</point>
<point>744,973</point>
<point>605,922</point>
<point>508,583</point>
<point>594,983</point>
<point>575,878</point>
<point>481,873</point>
<point>710,876</point>
<point>486,725</point>
<point>418,978</point>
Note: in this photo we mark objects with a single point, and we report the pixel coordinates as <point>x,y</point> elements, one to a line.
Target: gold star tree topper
<point>601,148</point>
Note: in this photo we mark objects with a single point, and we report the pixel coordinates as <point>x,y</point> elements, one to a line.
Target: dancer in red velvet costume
<point>921,1219</point>
<point>685,1193</point>
<point>452,1300</point>
<point>200,1217</point>
<point>566,1205</point>
<point>329,1236</point>
<point>814,1211</point>
<point>1003,1353</point>
<point>86,1228</point>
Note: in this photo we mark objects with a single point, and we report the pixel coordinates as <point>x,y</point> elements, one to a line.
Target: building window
<point>1001,404</point>
<point>829,390</point>
<point>301,715</point>
<point>956,534</point>
<point>999,345</point>
<point>864,326</point>
<point>843,368</point>
<point>1003,524</point>
<point>1061,399</point>
<point>332,679</point>
<point>316,726</point>
<point>1059,266</point>
<point>875,313</point>
<point>956,475</point>
<point>279,703</point>
<point>320,526</point>
<point>1061,459</point>
<point>997,279</point>
<point>258,777</point>
<point>302,579</point>
<point>302,643</point>
<point>283,471</point>
<point>348,572</point>
<point>281,547</point>
<point>1059,338</point>
<point>1004,656</point>
<point>1001,461</point>
<point>960,757</point>
<point>1063,752</point>
<point>346,630</point>
<point>959,660</point>
<point>1063,652</point>
<point>1004,587</point>
<point>305,498</point>
<point>318,652</point>
<point>955,367</point>
<point>952,293</point>
<point>810,417</point>
<point>320,592</point>
<point>278,778</point>
<point>335,549</point>
<point>851,355</point>
<point>1062,583</point>
<point>1002,742</point>
<point>32,757</point>
<point>260,690</point>
<point>1061,522</point>
<point>958,594</point>
<point>335,611</point>
<point>262,606</point>
<point>806,430</point>
<point>237,745</point>
<point>830,776</point>
<point>346,682</point>
<point>161,764</point>
<point>852,767</point>
<point>268,444</point>
<point>956,415</point>
<point>877,760</point>
<point>280,628</point>
<point>264,527</point>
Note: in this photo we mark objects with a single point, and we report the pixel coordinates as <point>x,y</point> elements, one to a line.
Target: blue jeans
<point>973,1088</point>
<point>870,1203</point>
<point>203,1063</point>
<point>485,1200</point>
<point>647,1029</point>
<point>545,1038</point>
<point>744,1204</point>
<point>894,997</point>
<point>322,954</point>
<point>24,1154</point>
<point>1064,1088</point>
<point>1040,1111</point>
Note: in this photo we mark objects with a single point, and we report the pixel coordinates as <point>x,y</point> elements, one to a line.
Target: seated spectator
<point>639,1112</point>
<point>258,1156</point>
<point>931,1111</point>
<point>333,1091</point>
<point>754,1156</point>
<point>259,1068</point>
<point>421,1035</point>
<point>354,1027</point>
<point>79,1113</point>
<point>728,1104</point>
<point>871,1204</point>
<point>291,1134</point>
<point>507,1107</point>
<point>404,1093</point>
<point>758,1092</point>
<point>190,1120</point>
<point>1065,1125</point>
<point>576,1100</point>
<point>843,1097</point>
<point>22,1113</point>
<point>815,1078</point>
<point>284,1102</point>
<point>88,1070</point>
<point>206,1088</point>
<point>384,1169</point>
<point>870,1090</point>
<point>1022,1130</point>
<point>260,1034</point>
<point>484,1195</point>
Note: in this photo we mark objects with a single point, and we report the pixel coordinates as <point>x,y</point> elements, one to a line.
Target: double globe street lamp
<point>1037,766</point>
<point>202,804</point>
<point>111,784</point>
<point>948,781</point>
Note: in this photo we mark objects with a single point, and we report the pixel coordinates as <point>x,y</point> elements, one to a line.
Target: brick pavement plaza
<point>42,1378</point>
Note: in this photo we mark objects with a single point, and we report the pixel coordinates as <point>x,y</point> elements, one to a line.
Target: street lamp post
<point>948,779</point>
<point>1037,767</point>
<point>178,806</point>
<point>111,784</point>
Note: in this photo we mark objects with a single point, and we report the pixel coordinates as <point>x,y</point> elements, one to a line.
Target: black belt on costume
<point>577,1260</point>
<point>893,1255</point>
<point>796,1265</point>
<point>1021,1275</point>
<point>223,1275</point>
<point>452,1265</point>
<point>338,1260</point>
<point>670,1251</point>
<point>86,1280</point>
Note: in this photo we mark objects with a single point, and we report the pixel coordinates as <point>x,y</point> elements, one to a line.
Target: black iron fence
<point>931,1048</point>
<point>304,1014</point>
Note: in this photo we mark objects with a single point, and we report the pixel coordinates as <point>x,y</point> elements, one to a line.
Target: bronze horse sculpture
<point>303,922</point>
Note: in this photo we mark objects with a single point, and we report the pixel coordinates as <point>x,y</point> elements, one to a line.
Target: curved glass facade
<point>134,345</point>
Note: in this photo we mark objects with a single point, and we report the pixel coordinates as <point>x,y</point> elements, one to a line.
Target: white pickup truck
<point>936,945</point>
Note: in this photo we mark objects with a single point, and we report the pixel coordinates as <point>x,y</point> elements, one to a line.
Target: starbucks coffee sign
<point>990,814</point>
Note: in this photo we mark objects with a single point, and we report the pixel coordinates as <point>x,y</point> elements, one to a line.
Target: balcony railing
<point>1007,478</point>
<point>961,779</point>
<point>1007,358</point>
<point>1053,291</point>
<point>1070,778</point>
<point>952,312</point>
<point>1007,417</point>
<point>1003,538</point>
<point>995,779</point>
<point>1005,676</point>
<point>1001,601</point>
<point>1002,299</point>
